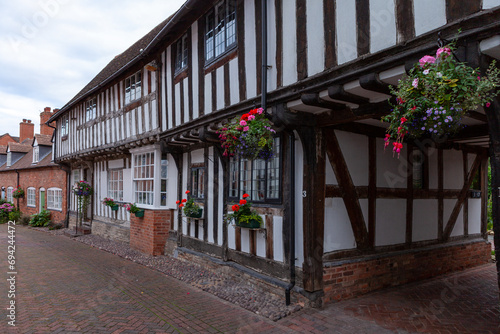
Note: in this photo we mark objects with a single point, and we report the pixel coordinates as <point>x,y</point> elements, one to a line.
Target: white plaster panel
<point>221,207</point>
<point>185,96</point>
<point>289,43</point>
<point>330,174</point>
<point>449,205</point>
<point>133,130</point>
<point>278,238</point>
<point>299,170</point>
<point>113,164</point>
<point>234,81</point>
<point>433,168</point>
<point>154,116</point>
<point>127,185</point>
<point>355,150</point>
<point>231,237</point>
<point>245,240</point>
<point>250,49</point>
<point>315,37</point>
<point>391,171</point>
<point>195,70</point>
<point>429,15</point>
<point>260,239</point>
<point>208,93</point>
<point>487,4</point>
<point>141,111</point>
<point>338,229</point>
<point>209,211</point>
<point>453,169</point>
<point>474,215</point>
<point>271,47</point>
<point>382,25</point>
<point>172,187</point>
<point>391,222</point>
<point>345,21</point>
<point>425,225</point>
<point>197,156</point>
<point>146,113</point>
<point>168,89</point>
<point>177,89</point>
<point>220,87</point>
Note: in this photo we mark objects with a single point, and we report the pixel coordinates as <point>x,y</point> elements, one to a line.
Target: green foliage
<point>243,212</point>
<point>25,219</point>
<point>6,209</point>
<point>41,219</point>
<point>15,215</point>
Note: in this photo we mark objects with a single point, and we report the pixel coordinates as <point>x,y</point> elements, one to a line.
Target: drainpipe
<point>17,171</point>
<point>263,102</point>
<point>291,265</point>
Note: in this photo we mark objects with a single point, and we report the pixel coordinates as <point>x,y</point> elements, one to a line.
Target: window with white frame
<point>198,181</point>
<point>144,167</point>
<point>9,159</point>
<point>163,177</point>
<point>64,125</point>
<point>133,87</point>
<point>220,29</point>
<point>31,197</point>
<point>91,109</point>
<point>54,199</point>
<point>36,154</point>
<point>258,178</point>
<point>10,198</point>
<point>115,184</point>
<point>181,57</point>
<point>76,176</point>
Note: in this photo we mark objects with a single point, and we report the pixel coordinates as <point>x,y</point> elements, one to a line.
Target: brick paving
<point>64,286</point>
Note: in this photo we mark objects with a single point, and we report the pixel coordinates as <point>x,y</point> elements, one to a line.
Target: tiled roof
<point>26,162</point>
<point>44,140</point>
<point>3,149</point>
<point>22,148</point>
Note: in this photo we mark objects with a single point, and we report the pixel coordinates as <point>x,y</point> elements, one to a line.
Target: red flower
<point>187,191</point>
<point>178,202</point>
<point>253,111</point>
<point>403,119</point>
<point>180,206</point>
<point>235,207</point>
<point>246,195</point>
<point>184,200</point>
<point>244,117</point>
<point>243,201</point>
<point>414,107</point>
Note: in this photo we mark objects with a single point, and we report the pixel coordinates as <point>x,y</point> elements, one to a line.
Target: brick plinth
<point>346,279</point>
<point>149,234</point>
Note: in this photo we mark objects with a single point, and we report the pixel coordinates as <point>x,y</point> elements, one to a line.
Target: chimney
<point>26,130</point>
<point>44,117</point>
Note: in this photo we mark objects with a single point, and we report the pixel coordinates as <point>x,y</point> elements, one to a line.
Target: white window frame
<point>91,109</point>
<point>36,154</point>
<point>54,199</point>
<point>31,197</point>
<point>218,43</point>
<point>182,53</point>
<point>163,179</point>
<point>155,180</point>
<point>144,179</point>
<point>115,185</point>
<point>64,125</point>
<point>10,198</point>
<point>133,87</point>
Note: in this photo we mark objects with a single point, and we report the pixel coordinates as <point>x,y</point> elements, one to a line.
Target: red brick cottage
<point>29,165</point>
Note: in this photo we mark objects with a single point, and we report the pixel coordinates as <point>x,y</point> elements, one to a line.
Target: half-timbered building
<point>341,216</point>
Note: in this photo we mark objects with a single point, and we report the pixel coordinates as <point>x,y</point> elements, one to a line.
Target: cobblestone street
<point>65,286</point>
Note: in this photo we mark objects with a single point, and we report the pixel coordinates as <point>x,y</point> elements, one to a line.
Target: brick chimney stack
<point>44,117</point>
<point>26,130</point>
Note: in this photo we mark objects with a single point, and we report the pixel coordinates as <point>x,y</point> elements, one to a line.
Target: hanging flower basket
<point>434,97</point>
<point>18,192</point>
<point>189,207</point>
<point>250,136</point>
<point>243,215</point>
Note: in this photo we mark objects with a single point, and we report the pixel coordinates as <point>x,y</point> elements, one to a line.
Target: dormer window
<point>181,58</point>
<point>36,154</point>
<point>9,159</point>
<point>91,109</point>
<point>133,87</point>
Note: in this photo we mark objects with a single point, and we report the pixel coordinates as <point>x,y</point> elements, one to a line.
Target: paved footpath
<point>63,286</point>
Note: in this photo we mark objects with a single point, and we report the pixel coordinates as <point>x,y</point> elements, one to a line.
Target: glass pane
<point>138,86</point>
<point>209,37</point>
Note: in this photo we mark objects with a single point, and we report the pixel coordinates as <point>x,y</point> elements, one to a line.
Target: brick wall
<point>149,234</point>
<point>47,177</point>
<point>347,279</point>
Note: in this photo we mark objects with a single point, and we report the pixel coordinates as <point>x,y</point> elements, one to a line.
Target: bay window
<point>54,199</point>
<point>115,184</point>
<point>143,179</point>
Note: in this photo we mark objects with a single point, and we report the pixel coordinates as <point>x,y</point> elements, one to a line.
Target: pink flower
<point>243,123</point>
<point>426,60</point>
<point>246,128</point>
<point>446,51</point>
<point>260,111</point>
<point>488,104</point>
<point>415,83</point>
<point>251,117</point>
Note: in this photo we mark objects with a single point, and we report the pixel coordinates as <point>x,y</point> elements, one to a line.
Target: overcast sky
<point>50,49</point>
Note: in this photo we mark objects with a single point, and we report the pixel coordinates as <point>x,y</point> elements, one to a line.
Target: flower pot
<point>196,215</point>
<point>252,223</point>
<point>114,207</point>
<point>139,214</point>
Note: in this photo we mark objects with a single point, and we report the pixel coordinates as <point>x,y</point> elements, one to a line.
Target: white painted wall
<point>429,15</point>
<point>272,72</point>
<point>391,171</point>
<point>425,214</point>
<point>289,43</point>
<point>315,37</point>
<point>338,230</point>
<point>250,49</point>
<point>391,222</point>
<point>474,215</point>
<point>299,171</point>
<point>345,21</point>
<point>453,169</point>
<point>209,211</point>
<point>278,238</point>
<point>185,96</point>
<point>234,80</point>
<point>208,93</point>
<point>178,97</point>
<point>382,25</point>
<point>195,70</point>
<point>433,168</point>
<point>449,204</point>
<point>355,150</point>
<point>169,111</point>
<point>487,4</point>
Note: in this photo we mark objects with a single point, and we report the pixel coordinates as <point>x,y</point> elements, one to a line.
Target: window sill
<point>53,209</point>
<point>181,75</point>
<point>31,206</point>
<point>221,59</point>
